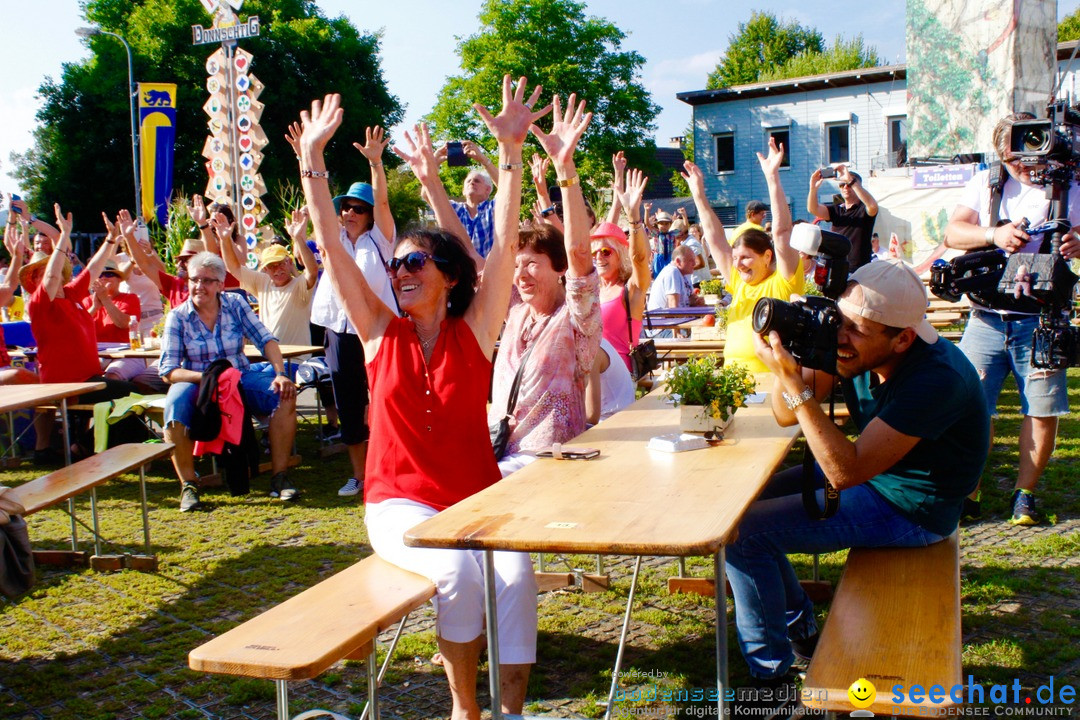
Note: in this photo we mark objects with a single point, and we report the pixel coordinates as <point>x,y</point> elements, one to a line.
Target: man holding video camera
<point>923,437</point>
<point>998,340</point>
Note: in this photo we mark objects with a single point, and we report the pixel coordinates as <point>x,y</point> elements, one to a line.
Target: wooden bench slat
<point>69,481</point>
<point>301,637</point>
<point>895,620</point>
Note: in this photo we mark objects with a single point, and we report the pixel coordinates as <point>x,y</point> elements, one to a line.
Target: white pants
<point>459,581</point>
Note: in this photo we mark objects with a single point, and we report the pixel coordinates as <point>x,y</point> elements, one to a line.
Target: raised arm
<point>618,185</point>
<point>97,260</point>
<point>363,307</point>
<point>509,128</point>
<point>148,264</point>
<point>843,174</point>
<point>297,229</point>
<point>201,216</point>
<point>424,162</point>
<point>19,206</point>
<point>787,257</point>
<point>640,273</point>
<point>16,247</point>
<point>711,227</point>
<point>54,269</point>
<point>812,205</point>
<point>375,143</point>
<point>560,143</point>
<point>223,231</point>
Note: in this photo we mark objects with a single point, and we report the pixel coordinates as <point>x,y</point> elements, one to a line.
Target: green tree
<point>843,55</point>
<point>1069,28</point>
<point>554,44</point>
<point>82,151</point>
<point>761,44</point>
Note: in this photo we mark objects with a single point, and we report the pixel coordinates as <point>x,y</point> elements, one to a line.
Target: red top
<point>429,433</point>
<point>64,331</point>
<point>173,288</point>
<point>106,329</point>
<point>616,330</point>
<point>5,359</point>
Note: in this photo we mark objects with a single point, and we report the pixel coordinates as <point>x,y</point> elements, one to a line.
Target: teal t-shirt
<point>934,395</point>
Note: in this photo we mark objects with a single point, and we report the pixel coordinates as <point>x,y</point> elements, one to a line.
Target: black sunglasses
<point>414,262</point>
<point>356,208</point>
<point>110,274</point>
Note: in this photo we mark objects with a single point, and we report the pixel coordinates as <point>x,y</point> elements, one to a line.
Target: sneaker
<point>189,498</point>
<point>280,487</point>
<point>804,649</point>
<point>1023,509</point>
<point>767,699</point>
<point>353,487</point>
<point>331,433</point>
<point>971,510</point>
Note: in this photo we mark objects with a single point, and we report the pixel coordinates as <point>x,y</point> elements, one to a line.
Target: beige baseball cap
<point>893,295</point>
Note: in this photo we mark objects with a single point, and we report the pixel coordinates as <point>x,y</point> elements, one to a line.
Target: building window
<point>725,152</point>
<point>782,135</point>
<point>728,215</point>
<point>837,146</point>
<point>898,140</point>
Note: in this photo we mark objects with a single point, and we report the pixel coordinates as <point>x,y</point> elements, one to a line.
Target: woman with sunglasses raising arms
<point>623,264</point>
<point>758,265</point>
<point>429,370</point>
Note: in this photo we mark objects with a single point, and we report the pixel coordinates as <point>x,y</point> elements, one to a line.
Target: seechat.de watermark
<point>1051,699</point>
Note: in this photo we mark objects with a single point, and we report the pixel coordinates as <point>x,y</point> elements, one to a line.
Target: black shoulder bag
<point>643,358</point>
<point>500,430</point>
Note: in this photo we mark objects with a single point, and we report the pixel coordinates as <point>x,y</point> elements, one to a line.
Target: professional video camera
<point>808,328</point>
<point>1051,147</point>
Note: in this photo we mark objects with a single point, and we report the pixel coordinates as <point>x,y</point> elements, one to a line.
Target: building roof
<point>861,76</point>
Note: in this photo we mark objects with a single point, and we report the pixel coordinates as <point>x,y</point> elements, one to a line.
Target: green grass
<point>114,645</point>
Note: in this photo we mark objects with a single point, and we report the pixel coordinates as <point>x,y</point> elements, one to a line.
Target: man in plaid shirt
<point>212,324</point>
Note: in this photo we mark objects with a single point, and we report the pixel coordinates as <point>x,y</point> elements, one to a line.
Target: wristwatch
<point>794,401</point>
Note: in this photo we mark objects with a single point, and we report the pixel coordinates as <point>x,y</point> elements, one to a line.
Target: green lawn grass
<point>86,644</point>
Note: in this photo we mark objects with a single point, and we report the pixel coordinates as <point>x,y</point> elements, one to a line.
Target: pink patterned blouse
<point>551,401</point>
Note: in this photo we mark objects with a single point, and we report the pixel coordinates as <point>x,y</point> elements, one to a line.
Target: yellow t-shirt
<point>739,345</point>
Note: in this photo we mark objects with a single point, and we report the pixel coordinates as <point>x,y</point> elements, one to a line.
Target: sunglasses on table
<point>414,262</point>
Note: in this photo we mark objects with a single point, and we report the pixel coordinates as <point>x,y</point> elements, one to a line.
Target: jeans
<point>770,605</point>
<point>996,348</point>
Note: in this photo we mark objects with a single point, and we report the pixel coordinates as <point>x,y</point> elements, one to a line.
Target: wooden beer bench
<point>336,619</point>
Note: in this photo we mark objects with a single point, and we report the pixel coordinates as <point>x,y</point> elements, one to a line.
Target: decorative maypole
<point>233,148</point>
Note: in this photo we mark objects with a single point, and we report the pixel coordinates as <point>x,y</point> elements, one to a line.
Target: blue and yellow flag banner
<point>157,137</point>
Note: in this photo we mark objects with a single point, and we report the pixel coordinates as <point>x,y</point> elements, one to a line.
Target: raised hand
<point>471,150</point>
<point>198,210</point>
<point>320,123</point>
<point>566,130</point>
<point>374,144</point>
<point>293,137</point>
<point>222,227</point>
<point>64,222</point>
<point>125,223</point>
<point>297,224</point>
<point>538,167</point>
<point>511,125</point>
<point>630,196</point>
<point>420,153</point>
<point>618,164</point>
<point>97,287</point>
<point>111,231</point>
<point>694,178</point>
<point>771,164</point>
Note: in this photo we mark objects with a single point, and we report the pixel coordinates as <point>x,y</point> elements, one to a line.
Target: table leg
<point>622,640</point>
<point>282,692</point>
<point>373,683</point>
<point>492,618</point>
<point>720,575</point>
<point>67,461</point>
<point>145,516</point>
<point>93,515</point>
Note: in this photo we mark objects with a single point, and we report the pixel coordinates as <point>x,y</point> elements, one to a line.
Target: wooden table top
<point>287,351</point>
<point>630,500</point>
<point>17,397</point>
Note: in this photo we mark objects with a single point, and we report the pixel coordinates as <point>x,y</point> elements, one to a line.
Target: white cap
<point>893,295</point>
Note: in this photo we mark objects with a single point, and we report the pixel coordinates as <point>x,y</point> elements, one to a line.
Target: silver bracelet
<point>315,174</point>
<point>794,401</point>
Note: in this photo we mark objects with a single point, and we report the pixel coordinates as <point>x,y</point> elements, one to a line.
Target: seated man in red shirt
<point>173,287</point>
<point>67,340</point>
<point>112,312</point>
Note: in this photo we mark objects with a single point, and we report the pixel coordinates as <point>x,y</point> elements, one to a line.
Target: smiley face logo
<point>862,693</point>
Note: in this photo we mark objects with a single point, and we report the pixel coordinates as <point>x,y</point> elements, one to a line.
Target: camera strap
<point>809,486</point>
<point>996,182</point>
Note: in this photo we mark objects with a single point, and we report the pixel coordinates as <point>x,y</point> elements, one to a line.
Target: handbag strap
<point>629,327</point>
<point>511,400</point>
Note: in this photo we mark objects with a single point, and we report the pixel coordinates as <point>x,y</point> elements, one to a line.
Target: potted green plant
<point>711,291</point>
<point>708,393</point>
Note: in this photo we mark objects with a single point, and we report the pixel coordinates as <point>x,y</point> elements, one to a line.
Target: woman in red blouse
<point>430,374</point>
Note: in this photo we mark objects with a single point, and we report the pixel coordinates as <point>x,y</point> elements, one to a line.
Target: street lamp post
<point>133,92</point>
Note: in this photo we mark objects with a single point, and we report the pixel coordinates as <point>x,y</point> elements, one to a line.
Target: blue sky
<point>681,40</point>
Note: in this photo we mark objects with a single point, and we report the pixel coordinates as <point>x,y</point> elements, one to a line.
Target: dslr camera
<point>808,328</point>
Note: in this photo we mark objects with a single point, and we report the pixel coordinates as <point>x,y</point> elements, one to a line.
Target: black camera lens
<point>772,314</point>
<point>1035,141</point>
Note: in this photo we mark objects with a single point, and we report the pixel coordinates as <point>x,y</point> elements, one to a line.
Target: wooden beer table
<point>629,501</point>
